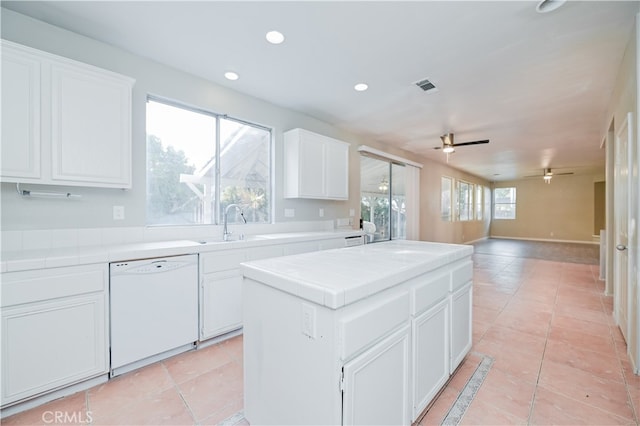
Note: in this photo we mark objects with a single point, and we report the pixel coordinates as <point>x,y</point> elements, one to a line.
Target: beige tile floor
<point>558,359</point>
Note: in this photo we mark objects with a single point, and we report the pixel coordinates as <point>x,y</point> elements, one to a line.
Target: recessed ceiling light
<point>361,87</point>
<point>546,6</point>
<point>275,37</point>
<point>230,75</point>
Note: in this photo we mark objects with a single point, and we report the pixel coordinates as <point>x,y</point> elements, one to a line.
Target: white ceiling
<point>536,85</point>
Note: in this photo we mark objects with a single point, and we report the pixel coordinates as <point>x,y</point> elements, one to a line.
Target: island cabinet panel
<point>461,320</point>
<point>359,335</point>
<point>430,355</point>
<point>385,366</point>
<point>461,315</point>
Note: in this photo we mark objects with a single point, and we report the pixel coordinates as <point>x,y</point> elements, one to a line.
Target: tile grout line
<point>179,392</point>
<point>464,399</point>
<point>233,419</point>
<point>544,351</point>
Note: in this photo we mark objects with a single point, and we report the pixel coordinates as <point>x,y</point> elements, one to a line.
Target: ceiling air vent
<point>425,85</point>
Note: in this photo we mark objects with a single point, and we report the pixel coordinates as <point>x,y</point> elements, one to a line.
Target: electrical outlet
<point>118,212</point>
<point>289,213</point>
<point>309,320</point>
<point>352,212</point>
<point>321,212</point>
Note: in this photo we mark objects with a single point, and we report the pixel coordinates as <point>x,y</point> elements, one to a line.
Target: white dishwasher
<point>154,310</point>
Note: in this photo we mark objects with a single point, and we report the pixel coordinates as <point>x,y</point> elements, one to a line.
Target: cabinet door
<point>51,344</point>
<point>311,167</point>
<point>337,170</point>
<point>20,115</point>
<point>376,383</point>
<point>430,355</point>
<point>91,126</point>
<point>461,323</point>
<point>221,303</point>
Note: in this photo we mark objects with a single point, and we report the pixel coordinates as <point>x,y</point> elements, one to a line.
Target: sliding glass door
<point>383,206</point>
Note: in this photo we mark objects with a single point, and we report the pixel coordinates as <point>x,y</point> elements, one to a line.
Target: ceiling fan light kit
<point>448,146</point>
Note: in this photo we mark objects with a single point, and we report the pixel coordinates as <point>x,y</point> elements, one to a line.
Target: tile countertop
<point>70,256</point>
<point>335,278</point>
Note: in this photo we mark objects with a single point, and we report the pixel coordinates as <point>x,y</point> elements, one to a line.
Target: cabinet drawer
<point>461,275</point>
<point>429,292</point>
<point>53,283</point>
<point>368,325</point>
<point>221,260</point>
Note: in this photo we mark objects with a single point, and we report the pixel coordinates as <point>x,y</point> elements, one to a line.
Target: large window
<point>445,198</point>
<point>479,202</point>
<point>504,203</point>
<point>199,162</point>
<point>383,199</point>
<point>465,201</point>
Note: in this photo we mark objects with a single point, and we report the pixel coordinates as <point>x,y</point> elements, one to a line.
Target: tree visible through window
<point>504,203</point>
<point>191,174</point>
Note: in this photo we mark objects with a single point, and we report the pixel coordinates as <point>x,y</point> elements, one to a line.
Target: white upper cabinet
<point>69,124</point>
<point>20,114</point>
<point>316,166</point>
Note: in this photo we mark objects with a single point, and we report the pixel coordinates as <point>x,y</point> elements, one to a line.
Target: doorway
<point>622,294</point>
<point>382,199</point>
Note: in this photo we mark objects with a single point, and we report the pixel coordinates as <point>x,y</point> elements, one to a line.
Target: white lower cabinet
<point>376,383</point>
<point>54,329</point>
<point>430,355</point>
<point>220,292</point>
<point>221,303</point>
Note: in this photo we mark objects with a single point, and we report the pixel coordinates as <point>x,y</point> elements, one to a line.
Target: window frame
<point>469,204</point>
<point>217,215</point>
<point>479,202</point>
<point>450,216</point>
<point>513,202</point>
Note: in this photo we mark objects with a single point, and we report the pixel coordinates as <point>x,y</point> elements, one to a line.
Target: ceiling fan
<point>448,146</point>
<point>547,174</point>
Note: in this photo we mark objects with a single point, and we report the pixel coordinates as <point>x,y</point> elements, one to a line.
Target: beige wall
<point>562,210</point>
<point>625,100</point>
<point>432,227</point>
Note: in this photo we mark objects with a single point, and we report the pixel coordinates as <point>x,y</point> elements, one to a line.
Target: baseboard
<point>476,240</point>
<point>548,240</point>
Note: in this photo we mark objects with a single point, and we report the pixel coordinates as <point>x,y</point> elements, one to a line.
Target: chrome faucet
<point>226,234</point>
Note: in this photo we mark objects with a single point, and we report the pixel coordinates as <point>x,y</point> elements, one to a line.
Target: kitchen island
<point>359,335</point>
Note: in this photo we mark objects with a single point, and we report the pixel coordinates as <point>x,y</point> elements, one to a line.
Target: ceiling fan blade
<point>437,147</point>
<point>560,174</point>
<point>471,143</point>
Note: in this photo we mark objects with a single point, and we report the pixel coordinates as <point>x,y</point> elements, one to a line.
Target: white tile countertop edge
<point>335,278</point>
<point>21,260</point>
